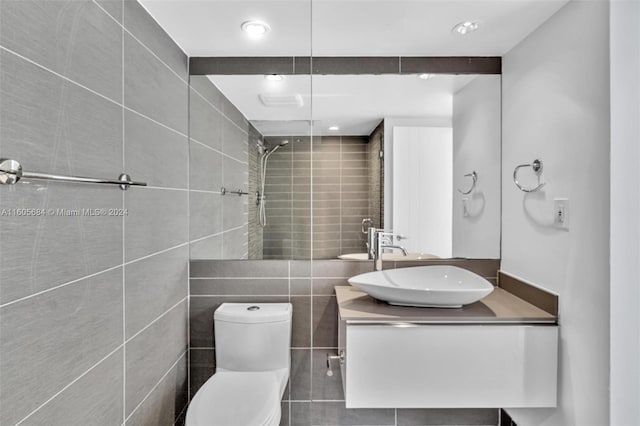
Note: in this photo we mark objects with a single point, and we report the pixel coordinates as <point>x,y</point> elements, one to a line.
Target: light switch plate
<point>561,213</point>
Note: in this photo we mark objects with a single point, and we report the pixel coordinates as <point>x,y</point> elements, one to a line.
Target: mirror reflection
<point>416,154</point>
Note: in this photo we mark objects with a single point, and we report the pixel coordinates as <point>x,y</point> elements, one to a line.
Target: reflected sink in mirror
<point>389,256</point>
<point>437,286</point>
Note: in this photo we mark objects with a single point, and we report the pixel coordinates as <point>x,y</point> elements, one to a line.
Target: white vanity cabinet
<point>417,358</point>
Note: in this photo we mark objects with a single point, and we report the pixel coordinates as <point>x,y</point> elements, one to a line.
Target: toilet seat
<point>236,399</point>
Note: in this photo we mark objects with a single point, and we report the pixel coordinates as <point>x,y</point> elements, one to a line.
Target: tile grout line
<point>60,286</point>
<point>218,109</point>
<point>296,348</point>
<point>217,234</point>
<point>155,254</point>
<point>289,284</point>
<point>340,188</point>
<point>124,204</point>
<point>155,121</point>
<point>69,385</point>
<point>245,163</point>
<point>154,321</point>
<point>204,191</point>
<point>155,386</point>
<point>270,278</point>
<point>140,42</point>
<point>222,179</point>
<point>246,278</point>
<point>57,74</point>
<point>164,188</point>
<point>254,295</point>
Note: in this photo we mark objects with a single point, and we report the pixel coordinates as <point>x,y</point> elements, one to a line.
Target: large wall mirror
<point>287,163</point>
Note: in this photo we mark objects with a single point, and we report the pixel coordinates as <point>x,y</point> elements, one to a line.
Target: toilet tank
<point>253,336</point>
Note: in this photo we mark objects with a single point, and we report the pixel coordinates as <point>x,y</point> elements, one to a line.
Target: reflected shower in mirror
<point>395,151</point>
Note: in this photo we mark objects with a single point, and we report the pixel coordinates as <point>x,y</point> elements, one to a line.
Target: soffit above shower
<point>350,27</point>
<point>354,103</point>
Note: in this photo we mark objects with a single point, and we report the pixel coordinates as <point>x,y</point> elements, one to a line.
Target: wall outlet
<point>561,213</point>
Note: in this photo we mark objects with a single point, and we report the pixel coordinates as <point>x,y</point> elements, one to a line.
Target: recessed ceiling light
<point>255,28</point>
<point>466,27</point>
<point>425,76</point>
<point>334,128</point>
<point>273,77</point>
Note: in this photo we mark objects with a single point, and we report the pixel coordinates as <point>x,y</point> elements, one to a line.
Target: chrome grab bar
<point>11,172</point>
<point>536,166</point>
<point>473,175</point>
<point>239,192</point>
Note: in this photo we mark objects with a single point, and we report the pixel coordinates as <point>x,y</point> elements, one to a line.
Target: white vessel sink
<point>389,256</point>
<point>437,286</point>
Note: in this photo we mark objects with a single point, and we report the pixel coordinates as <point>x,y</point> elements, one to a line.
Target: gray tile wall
<point>340,197</point>
<point>93,309</point>
<point>312,398</point>
<point>222,144</point>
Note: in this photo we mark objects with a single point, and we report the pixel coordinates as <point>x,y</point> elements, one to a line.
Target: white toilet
<point>253,359</point>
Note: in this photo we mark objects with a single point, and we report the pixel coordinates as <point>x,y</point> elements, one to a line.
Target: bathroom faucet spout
<point>402,249</point>
<point>379,240</point>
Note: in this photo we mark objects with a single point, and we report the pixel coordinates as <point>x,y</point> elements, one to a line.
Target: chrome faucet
<point>377,240</point>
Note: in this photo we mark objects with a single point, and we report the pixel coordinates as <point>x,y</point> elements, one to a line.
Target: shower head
<point>261,146</point>
<point>268,152</point>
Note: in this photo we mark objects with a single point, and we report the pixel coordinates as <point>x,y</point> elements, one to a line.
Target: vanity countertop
<point>355,306</point>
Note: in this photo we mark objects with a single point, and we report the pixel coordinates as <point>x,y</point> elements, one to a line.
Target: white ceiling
<point>350,27</point>
<point>355,103</point>
<point>346,28</point>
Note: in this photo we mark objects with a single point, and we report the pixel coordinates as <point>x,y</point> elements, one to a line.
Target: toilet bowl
<point>236,399</point>
<point>253,360</point>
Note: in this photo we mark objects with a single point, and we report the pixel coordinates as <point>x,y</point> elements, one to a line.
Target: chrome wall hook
<point>536,166</point>
<point>473,175</point>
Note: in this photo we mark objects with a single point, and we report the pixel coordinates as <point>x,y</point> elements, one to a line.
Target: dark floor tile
<point>300,414</point>
<point>284,413</point>
<point>457,416</point>
<point>301,333</point>
<point>300,381</point>
<point>335,413</point>
<point>326,388</point>
<point>325,322</point>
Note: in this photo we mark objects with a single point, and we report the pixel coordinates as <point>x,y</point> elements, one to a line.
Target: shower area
<point>337,170</point>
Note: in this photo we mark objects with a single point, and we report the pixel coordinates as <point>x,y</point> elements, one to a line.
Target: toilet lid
<point>235,399</point>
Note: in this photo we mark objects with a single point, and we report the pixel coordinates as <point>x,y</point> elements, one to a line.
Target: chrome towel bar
<point>239,192</point>
<point>473,175</point>
<point>536,166</point>
<point>11,172</point>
